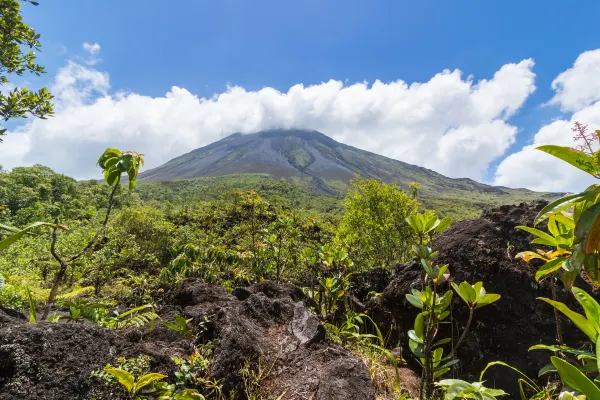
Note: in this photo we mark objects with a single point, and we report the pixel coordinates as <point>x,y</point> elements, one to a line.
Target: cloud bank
<point>577,92</point>
<point>452,124</point>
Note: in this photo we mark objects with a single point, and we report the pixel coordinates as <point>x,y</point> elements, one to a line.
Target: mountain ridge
<point>308,165</point>
<point>296,153</point>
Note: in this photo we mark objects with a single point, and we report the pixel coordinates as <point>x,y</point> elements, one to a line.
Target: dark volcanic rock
<point>271,329</point>
<point>306,326</point>
<point>345,379</point>
<point>53,361</point>
<point>476,250</point>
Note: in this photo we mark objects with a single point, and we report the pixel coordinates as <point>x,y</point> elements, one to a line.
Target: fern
<point>135,317</point>
<point>77,292</point>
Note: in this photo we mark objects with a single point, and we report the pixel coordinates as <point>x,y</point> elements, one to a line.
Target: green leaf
<point>487,299</point>
<point>586,221</point>
<point>525,379</point>
<point>546,369</point>
<point>148,379</point>
<point>543,237</point>
<point>463,294</point>
<point>9,228</point>
<point>419,325</point>
<point>598,353</point>
<point>443,225</point>
<point>32,309</point>
<point>415,300</point>
<point>412,335</point>
<point>550,267</point>
<point>13,238</point>
<point>561,204</point>
<point>575,379</point>
<point>124,377</point>
<point>576,158</point>
<point>579,320</point>
<point>590,306</point>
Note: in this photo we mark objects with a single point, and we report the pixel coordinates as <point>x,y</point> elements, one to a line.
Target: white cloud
<point>93,49</point>
<point>453,125</point>
<point>578,90</point>
<point>579,86</point>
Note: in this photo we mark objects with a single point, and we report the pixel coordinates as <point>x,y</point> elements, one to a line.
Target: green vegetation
<point>124,248</point>
<point>457,202</point>
<point>16,35</point>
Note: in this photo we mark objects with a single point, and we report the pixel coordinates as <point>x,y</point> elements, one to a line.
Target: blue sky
<point>147,47</point>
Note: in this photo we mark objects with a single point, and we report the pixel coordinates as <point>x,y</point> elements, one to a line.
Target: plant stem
<point>464,334</point>
<point>559,336</point>
<point>64,263</point>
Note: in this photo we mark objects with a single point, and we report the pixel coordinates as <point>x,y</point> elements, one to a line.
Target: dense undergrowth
<point>110,256</point>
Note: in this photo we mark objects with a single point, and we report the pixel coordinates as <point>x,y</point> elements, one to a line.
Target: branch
<point>53,245</point>
<point>464,334</point>
<point>97,235</point>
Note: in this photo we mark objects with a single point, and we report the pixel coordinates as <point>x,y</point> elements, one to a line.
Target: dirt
<point>477,250</point>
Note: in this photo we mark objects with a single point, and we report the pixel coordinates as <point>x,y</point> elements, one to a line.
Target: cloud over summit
<point>453,124</point>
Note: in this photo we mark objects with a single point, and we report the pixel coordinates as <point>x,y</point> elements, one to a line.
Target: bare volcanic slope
<point>325,163</point>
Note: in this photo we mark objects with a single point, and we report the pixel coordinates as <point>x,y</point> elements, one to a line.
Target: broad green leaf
<point>412,335</point>
<point>590,306</point>
<point>575,379</point>
<point>419,325</point>
<point>598,353</point>
<point>148,379</point>
<point>440,372</point>
<point>470,292</point>
<point>566,221</point>
<point>487,299</point>
<point>4,243</point>
<point>442,342</point>
<point>561,204</point>
<point>548,268</point>
<point>428,268</point>
<point>443,225</point>
<point>416,348</point>
<point>463,294</point>
<point>553,227</point>
<point>576,158</point>
<point>124,378</point>
<point>590,264</point>
<point>579,320</point>
<point>586,220</point>
<point>546,369</point>
<point>542,237</point>
<point>9,228</point>
<point>414,300</point>
<point>431,223</point>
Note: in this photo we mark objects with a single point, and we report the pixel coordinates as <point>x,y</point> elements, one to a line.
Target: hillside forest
<point>114,289</point>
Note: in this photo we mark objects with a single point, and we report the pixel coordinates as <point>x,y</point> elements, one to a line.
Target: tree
<point>15,37</point>
<point>374,227</point>
<point>113,163</point>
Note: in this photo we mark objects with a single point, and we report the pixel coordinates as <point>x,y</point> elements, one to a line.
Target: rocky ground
<point>270,325</point>
<point>274,328</point>
<point>483,250</point>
